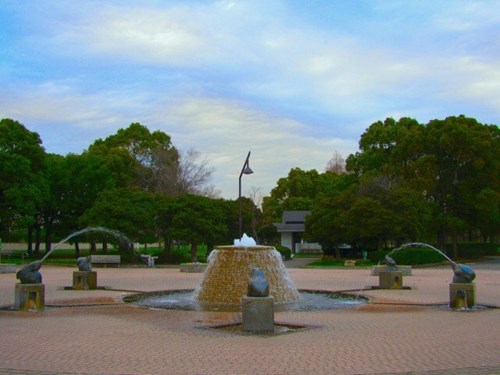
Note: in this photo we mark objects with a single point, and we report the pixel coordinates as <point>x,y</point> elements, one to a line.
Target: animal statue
<point>391,263</point>
<point>462,273</point>
<point>29,274</point>
<point>84,264</point>
<point>258,286</point>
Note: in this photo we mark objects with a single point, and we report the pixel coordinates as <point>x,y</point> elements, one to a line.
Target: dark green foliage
<point>409,257</point>
<point>474,250</point>
<point>174,257</point>
<point>285,252</point>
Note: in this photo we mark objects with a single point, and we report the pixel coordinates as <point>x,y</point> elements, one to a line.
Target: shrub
<point>410,257</point>
<point>175,257</point>
<point>285,252</point>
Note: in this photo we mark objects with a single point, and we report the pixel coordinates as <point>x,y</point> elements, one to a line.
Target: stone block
<point>406,270</point>
<point>390,280</point>
<point>84,280</point>
<point>30,297</point>
<point>193,267</point>
<point>258,314</point>
<point>462,295</point>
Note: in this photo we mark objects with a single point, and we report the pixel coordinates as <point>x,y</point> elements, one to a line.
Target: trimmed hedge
<point>409,257</point>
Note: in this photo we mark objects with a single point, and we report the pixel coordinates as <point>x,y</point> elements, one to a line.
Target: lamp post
<point>245,170</point>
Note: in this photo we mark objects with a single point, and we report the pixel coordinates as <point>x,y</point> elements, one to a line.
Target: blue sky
<point>292,81</point>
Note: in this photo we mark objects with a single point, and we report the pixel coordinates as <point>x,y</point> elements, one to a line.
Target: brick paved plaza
<point>400,332</point>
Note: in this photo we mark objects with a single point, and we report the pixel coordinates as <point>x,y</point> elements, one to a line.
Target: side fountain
<point>225,280</point>
<point>224,284</point>
<point>462,288</point>
<point>84,278</point>
<point>30,292</point>
<point>391,278</point>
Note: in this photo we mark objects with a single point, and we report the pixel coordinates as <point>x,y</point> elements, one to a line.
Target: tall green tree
<point>130,211</point>
<point>136,156</point>
<point>461,160</point>
<point>22,186</point>
<point>197,220</point>
<point>295,192</point>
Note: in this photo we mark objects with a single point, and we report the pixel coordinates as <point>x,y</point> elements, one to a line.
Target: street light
<point>245,170</point>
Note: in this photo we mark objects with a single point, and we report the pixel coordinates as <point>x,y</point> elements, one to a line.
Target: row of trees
<point>434,182</point>
<point>134,181</point>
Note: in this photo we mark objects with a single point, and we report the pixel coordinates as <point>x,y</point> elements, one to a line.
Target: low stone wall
<point>7,268</point>
<point>193,267</point>
<point>405,270</point>
<point>309,248</point>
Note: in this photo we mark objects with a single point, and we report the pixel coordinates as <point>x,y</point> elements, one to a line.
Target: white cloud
<point>225,131</point>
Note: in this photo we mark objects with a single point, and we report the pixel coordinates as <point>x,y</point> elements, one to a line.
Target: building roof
<point>292,221</point>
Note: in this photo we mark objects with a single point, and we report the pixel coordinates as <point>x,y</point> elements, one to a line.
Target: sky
<point>294,82</point>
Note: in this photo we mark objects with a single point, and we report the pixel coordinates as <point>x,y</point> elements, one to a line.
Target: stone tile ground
<point>401,332</point>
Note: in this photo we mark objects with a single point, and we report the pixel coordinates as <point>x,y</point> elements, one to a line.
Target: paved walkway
<point>400,332</point>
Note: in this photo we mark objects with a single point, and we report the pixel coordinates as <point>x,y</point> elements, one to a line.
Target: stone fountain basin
<point>185,300</point>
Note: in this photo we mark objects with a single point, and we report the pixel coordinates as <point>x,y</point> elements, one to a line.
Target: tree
<point>336,164</point>
<point>326,224</point>
<point>81,179</point>
<point>129,211</point>
<point>135,154</point>
<point>194,175</point>
<point>461,160</point>
<point>295,192</point>
<point>21,186</point>
<point>196,220</point>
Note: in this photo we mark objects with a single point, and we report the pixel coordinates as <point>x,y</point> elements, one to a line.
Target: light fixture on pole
<point>245,170</point>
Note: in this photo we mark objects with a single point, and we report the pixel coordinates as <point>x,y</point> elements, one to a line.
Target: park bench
<point>105,259</point>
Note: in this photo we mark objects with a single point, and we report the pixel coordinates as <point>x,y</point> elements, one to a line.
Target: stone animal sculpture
<point>462,273</point>
<point>84,264</point>
<point>258,286</point>
<point>391,263</point>
<point>30,274</point>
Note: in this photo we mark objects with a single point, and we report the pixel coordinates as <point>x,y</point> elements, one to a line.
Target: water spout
<point>462,273</point>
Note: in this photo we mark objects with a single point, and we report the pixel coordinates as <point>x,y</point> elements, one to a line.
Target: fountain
<point>462,288</point>
<point>391,278</point>
<point>84,278</point>
<point>30,292</point>
<point>224,282</point>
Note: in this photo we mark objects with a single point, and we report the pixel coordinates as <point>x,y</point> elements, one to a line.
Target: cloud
<point>225,131</point>
<point>291,83</point>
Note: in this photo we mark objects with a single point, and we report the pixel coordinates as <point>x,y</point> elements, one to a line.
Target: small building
<point>291,229</point>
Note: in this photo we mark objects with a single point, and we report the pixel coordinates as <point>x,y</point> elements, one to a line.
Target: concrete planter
<point>405,270</point>
<point>193,267</point>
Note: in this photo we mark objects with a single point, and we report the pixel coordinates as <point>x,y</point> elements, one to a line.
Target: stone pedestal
<point>462,295</point>
<point>375,271</point>
<point>390,280</point>
<point>84,280</point>
<point>258,314</point>
<point>30,297</point>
